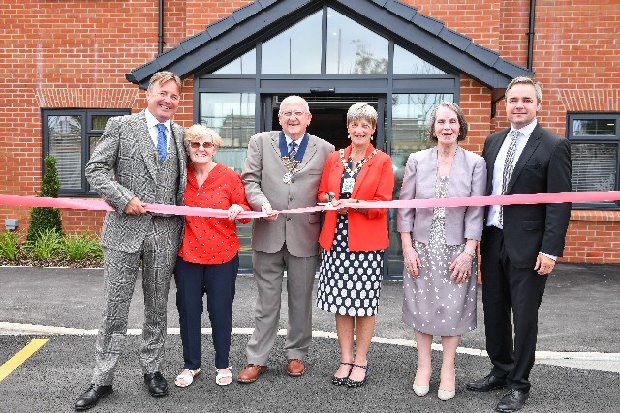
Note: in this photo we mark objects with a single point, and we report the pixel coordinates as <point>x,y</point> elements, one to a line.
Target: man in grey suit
<point>283,171</point>
<point>140,159</point>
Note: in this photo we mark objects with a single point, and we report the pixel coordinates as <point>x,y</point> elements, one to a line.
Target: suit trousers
<point>217,281</point>
<point>158,255</point>
<point>269,275</point>
<point>506,288</point>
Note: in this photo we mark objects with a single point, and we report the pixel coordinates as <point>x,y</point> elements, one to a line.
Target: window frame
<point>596,139</point>
<point>86,134</point>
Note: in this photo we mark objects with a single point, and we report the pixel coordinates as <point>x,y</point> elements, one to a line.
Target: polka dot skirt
<point>349,282</point>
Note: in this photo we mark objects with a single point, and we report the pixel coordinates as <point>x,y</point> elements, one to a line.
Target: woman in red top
<point>354,241</point>
<point>208,258</point>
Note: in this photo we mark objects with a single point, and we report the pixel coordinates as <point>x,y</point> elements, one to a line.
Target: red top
<point>212,240</point>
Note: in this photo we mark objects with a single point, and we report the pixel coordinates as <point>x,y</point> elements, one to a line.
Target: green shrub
<point>47,245</point>
<point>43,219</point>
<point>79,247</point>
<point>9,246</point>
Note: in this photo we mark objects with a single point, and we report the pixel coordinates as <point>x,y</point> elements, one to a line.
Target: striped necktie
<point>293,151</point>
<point>509,166</point>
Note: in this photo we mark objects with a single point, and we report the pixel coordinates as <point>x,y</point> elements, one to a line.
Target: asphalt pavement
<point>578,359</point>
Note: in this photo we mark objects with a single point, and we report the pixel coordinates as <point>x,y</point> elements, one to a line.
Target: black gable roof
<point>404,23</point>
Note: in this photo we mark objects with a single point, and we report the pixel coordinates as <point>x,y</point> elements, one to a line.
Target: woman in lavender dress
<point>439,245</point>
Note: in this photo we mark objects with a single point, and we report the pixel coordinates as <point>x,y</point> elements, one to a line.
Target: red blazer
<point>375,181</point>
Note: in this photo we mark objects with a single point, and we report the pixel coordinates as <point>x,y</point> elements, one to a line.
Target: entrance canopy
<point>427,37</point>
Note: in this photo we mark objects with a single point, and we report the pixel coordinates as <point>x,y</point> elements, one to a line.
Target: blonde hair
<point>197,132</point>
<point>163,77</point>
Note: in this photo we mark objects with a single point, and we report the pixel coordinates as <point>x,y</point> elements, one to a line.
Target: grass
<point>79,247</point>
<point>46,245</point>
<point>9,246</point>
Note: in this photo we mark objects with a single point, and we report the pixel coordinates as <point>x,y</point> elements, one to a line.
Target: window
<point>296,50</point>
<point>70,135</point>
<point>349,48</point>
<point>243,65</point>
<point>595,143</point>
<point>353,49</point>
<point>407,63</point>
<point>232,115</point>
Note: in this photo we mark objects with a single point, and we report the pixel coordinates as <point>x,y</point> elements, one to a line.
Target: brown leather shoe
<point>251,373</point>
<point>296,367</point>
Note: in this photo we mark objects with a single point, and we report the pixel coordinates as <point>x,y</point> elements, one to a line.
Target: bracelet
<point>471,254</point>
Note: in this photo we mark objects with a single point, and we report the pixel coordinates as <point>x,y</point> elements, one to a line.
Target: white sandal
<point>186,377</point>
<point>222,375</point>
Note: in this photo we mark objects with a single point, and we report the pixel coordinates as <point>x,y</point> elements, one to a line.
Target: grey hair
<point>460,116</point>
<point>362,111</point>
<point>295,99</point>
<point>524,80</point>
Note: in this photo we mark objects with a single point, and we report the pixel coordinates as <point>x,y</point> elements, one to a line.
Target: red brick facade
<point>75,54</point>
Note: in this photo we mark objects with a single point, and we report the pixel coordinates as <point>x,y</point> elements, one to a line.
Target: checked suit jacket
<point>262,177</point>
<point>123,166</point>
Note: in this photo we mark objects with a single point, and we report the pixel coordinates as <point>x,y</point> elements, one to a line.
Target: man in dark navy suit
<point>520,243</point>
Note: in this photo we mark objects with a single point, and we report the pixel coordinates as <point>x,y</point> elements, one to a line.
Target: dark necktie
<point>293,151</point>
<point>508,168</point>
<point>162,146</point>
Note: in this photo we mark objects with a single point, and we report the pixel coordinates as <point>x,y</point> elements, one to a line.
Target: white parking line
<point>578,359</point>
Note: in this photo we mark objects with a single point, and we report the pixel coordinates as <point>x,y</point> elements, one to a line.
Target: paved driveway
<point>579,328</point>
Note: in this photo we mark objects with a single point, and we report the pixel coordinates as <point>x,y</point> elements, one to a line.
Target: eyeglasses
<point>197,145</point>
<point>296,113</point>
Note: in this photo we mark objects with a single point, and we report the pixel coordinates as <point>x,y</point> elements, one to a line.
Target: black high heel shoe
<point>355,383</point>
<point>342,381</point>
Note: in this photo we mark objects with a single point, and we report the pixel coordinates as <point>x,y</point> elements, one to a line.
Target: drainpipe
<point>160,32</point>
<point>530,49</point>
<point>530,35</point>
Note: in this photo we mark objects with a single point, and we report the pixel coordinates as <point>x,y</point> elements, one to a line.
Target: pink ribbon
<point>100,205</point>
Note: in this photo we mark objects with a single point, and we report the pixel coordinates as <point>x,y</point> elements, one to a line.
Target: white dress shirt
<point>289,140</point>
<point>523,135</point>
<point>151,123</point>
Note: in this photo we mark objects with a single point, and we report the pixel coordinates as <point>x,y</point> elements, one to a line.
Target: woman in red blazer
<point>354,241</point>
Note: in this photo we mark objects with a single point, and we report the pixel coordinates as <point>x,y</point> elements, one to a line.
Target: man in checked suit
<point>520,243</point>
<point>283,171</point>
<point>140,159</point>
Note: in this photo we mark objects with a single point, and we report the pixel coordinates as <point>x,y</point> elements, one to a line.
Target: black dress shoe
<point>91,396</point>
<point>487,383</point>
<point>157,384</point>
<point>512,401</point>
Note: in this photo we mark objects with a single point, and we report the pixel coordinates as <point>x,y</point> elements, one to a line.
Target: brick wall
<point>577,59</point>
<point>64,54</point>
<point>61,53</point>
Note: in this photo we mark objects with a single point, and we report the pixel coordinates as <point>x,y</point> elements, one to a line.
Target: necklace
<point>357,165</point>
<point>349,183</point>
<point>290,165</point>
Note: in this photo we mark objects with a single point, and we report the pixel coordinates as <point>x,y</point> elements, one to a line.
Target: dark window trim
<point>87,133</point>
<point>606,139</point>
<point>272,84</point>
